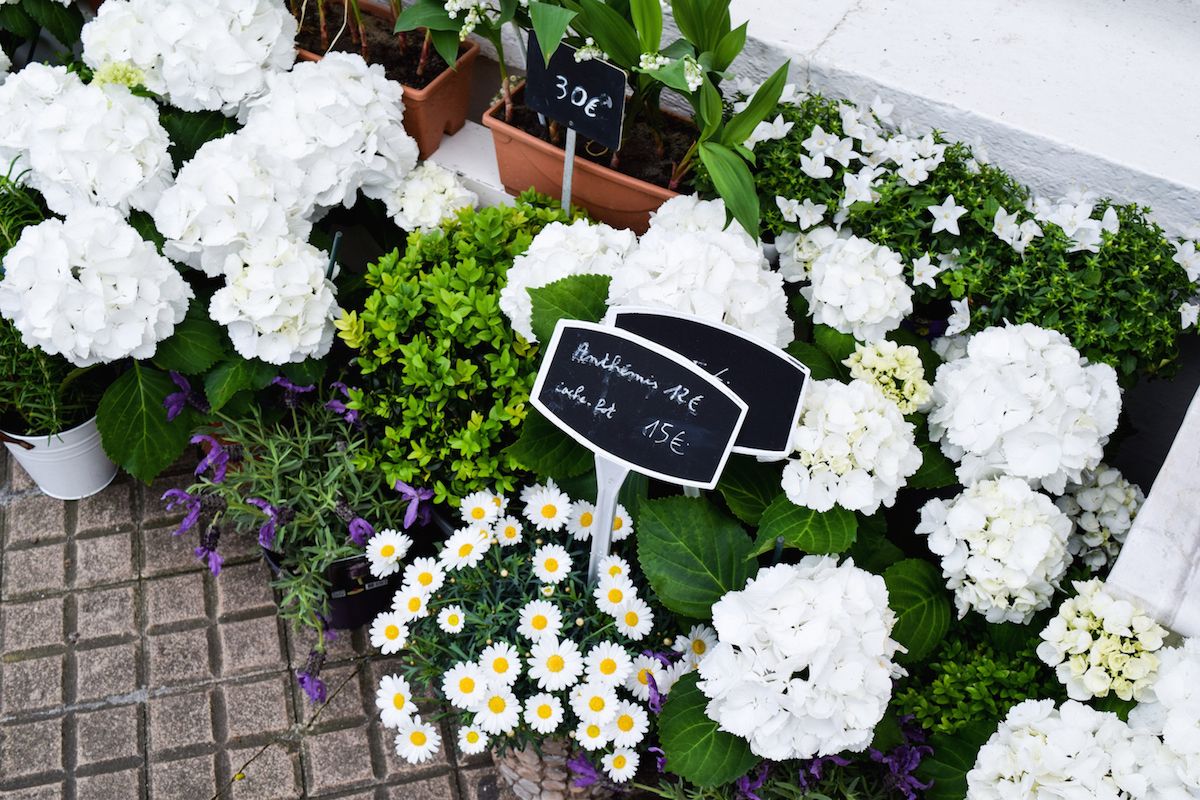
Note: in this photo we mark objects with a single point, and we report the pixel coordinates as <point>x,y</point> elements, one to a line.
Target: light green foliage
<point>445,381</point>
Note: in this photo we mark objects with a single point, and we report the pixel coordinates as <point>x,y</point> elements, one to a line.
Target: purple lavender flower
<point>175,402</point>
<point>275,517</point>
<point>902,761</point>
<point>585,771</point>
<point>216,457</point>
<point>813,770</point>
<point>360,531</point>
<point>309,677</point>
<point>748,784</point>
<point>666,659</point>
<point>207,551</point>
<point>416,512</point>
<point>178,498</point>
<point>291,392</point>
<point>656,698</point>
<point>660,758</point>
<point>339,407</point>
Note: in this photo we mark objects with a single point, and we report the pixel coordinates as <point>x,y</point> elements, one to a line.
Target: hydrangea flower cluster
<point>1003,548</point>
<point>199,55</point>
<point>91,289</point>
<point>1102,507</point>
<point>897,371</point>
<point>83,144</point>
<point>429,194</point>
<point>1023,402</point>
<point>5,65</point>
<point>853,449</point>
<point>1175,713</point>
<point>1098,644</point>
<point>536,677</point>
<point>803,662</point>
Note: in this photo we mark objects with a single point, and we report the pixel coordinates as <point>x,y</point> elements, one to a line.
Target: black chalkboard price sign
<point>587,96</point>
<point>638,404</point>
<point>770,381</point>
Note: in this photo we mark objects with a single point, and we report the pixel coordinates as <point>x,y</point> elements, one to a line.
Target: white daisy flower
<point>501,663</point>
<point>471,740</point>
<point>394,700</point>
<point>638,682</point>
<point>614,566</point>
<point>671,675</point>
<point>634,619</point>
<point>388,632</point>
<point>608,663</point>
<point>539,619</point>
<point>548,508</point>
<point>695,646</point>
<point>555,664</point>
<point>591,736</point>
<point>583,516</point>
<point>613,592</point>
<point>551,563</point>
<point>451,619</point>
<point>622,524</point>
<point>501,504</point>
<point>465,685</point>
<point>479,508</point>
<point>385,550</point>
<point>630,725</point>
<point>463,549</point>
<point>500,711</point>
<point>620,764</point>
<point>594,702</point>
<point>417,741</point>
<point>544,712</point>
<point>507,531</point>
<point>410,604</point>
<point>424,575</point>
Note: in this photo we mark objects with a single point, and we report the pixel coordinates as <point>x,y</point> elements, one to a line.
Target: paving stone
<point>35,518</point>
<point>105,560</point>
<point>395,665</point>
<point>439,788</point>
<point>105,612</point>
<point>343,647</point>
<point>162,552</point>
<point>31,625</point>
<point>484,784</point>
<point>35,570</point>
<point>337,760</point>
<point>397,767</point>
<point>154,510</point>
<point>105,672</point>
<point>111,508</point>
<point>31,748</point>
<point>250,646</point>
<point>346,705</point>
<point>18,480</point>
<point>31,684</point>
<point>105,735</point>
<point>180,721</point>
<point>53,791</point>
<point>185,778</point>
<point>109,786</point>
<point>244,588</point>
<point>272,775</point>
<point>257,708</point>
<point>175,599</point>
<point>178,658</point>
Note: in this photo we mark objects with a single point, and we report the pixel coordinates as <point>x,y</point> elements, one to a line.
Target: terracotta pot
<point>439,108</point>
<point>609,196</point>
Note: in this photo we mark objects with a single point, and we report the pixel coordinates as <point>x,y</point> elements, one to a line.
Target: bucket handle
<point>4,437</point>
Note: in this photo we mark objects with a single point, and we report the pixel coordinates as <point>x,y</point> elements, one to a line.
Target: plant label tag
<point>638,404</point>
<point>770,381</point>
<point>586,96</point>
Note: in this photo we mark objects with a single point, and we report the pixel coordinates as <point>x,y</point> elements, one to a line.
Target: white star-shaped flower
<point>1187,315</point>
<point>960,320</point>
<point>1005,226</point>
<point>815,167</point>
<point>1188,257</point>
<point>819,142</point>
<point>945,216</point>
<point>924,272</point>
<point>858,187</point>
<point>842,151</point>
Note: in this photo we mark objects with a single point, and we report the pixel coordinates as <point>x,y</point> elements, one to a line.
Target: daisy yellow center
<point>618,523</point>
<point>698,647</point>
<point>510,532</point>
<point>549,511</point>
<point>478,513</point>
<point>418,738</point>
<point>551,565</point>
<point>472,737</point>
<point>615,570</point>
<point>414,604</point>
<point>539,622</point>
<point>497,501</point>
<point>545,711</point>
<point>497,705</point>
<point>632,619</point>
<point>387,551</point>
<point>585,519</point>
<point>399,701</point>
<point>593,731</point>
<point>608,666</point>
<point>596,704</point>
<point>625,723</point>
<point>425,578</point>
<point>644,676</point>
<point>555,663</point>
<point>466,685</point>
<point>465,550</point>
<point>618,762</point>
<point>452,620</point>
<point>615,595</point>
<point>392,631</point>
<point>500,665</point>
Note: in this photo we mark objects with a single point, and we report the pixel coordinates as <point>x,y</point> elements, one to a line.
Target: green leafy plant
<point>444,380</point>
<point>25,19</point>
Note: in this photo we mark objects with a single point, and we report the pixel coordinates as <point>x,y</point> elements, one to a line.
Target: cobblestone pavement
<point>128,671</point>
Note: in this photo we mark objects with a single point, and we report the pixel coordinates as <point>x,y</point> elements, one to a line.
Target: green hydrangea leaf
<point>696,748</point>
<point>820,365</point>
<point>815,532</point>
<point>582,297</point>
<point>133,423</point>
<point>194,347</point>
<point>63,22</point>
<point>952,758</point>
<point>546,451</point>
<point>872,550</point>
<point>748,486</point>
<point>917,593</point>
<point>837,345</point>
<point>936,471</point>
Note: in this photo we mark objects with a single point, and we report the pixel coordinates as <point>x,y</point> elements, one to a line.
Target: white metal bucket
<point>68,466</point>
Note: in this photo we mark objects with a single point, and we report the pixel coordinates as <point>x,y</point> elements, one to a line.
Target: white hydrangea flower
<point>1023,402</point>
<point>1041,752</point>
<point>1099,643</point>
<point>803,663</point>
<point>559,251</point>
<point>91,289</point>
<point>858,287</point>
<point>228,196</point>
<point>5,65</point>
<point>896,370</point>
<point>853,449</point>
<point>277,303</point>
<point>686,263</point>
<point>1175,713</point>
<point>429,194</point>
<point>1003,548</point>
<point>24,97</point>
<point>1103,508</point>
<point>198,54</point>
<point>798,251</point>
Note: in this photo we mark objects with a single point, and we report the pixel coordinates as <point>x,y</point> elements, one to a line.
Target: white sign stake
<point>610,476</point>
<point>568,169</point>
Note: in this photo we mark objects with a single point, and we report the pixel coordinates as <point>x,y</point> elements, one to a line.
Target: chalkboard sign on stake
<point>771,381</point>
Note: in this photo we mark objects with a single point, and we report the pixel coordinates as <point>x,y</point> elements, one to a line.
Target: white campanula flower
<point>465,685</point>
<point>1174,714</point>
<point>388,632</point>
<point>277,303</point>
<point>634,618</point>
<point>803,663</point>
<point>424,575</point>
<point>556,252</point>
<point>428,195</point>
<point>1102,508</point>
<point>464,548</point>
<point>499,712</point>
<point>768,131</point>
<point>501,663</point>
<point>607,663</point>
<point>1003,548</point>
<point>410,603</point>
<point>1018,234</point>
<point>543,712</point>
<point>90,289</point>
<point>594,702</point>
<point>385,550</point>
<point>860,187</point>
<point>1024,403</point>
<point>1074,215</point>
<point>960,317</point>
<point>613,566</point>
<point>1098,643</point>
<point>924,272</point>
<point>696,644</point>
<point>1188,257</point>
<point>629,725</point>
<point>804,214</point>
<point>620,764</point>
<point>394,700</point>
<point>612,592</point>
<point>548,508</point>
<point>592,735</point>
<point>853,448</point>
<point>815,166</point>
<point>554,663</point>
<point>896,370</point>
<point>507,531</point>
<point>451,619</point>
<point>417,741</point>
<point>551,563</point>
<point>1188,314</point>
<point>472,740</point>
<point>945,216</point>
<point>479,508</point>
<point>539,619</point>
<point>858,287</point>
